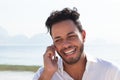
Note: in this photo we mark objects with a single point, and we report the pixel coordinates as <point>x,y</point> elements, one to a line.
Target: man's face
<point>69,42</point>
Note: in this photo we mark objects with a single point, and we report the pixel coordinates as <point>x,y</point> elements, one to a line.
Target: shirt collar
<point>90,60</point>
<point>60,65</point>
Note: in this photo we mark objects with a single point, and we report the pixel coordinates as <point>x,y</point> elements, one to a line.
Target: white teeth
<point>70,51</point>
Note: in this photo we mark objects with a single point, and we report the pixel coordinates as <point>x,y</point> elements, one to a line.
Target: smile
<point>71,51</point>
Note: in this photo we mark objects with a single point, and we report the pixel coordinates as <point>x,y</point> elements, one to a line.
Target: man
<point>68,41</point>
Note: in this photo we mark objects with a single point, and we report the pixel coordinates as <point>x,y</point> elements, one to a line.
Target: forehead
<point>63,28</point>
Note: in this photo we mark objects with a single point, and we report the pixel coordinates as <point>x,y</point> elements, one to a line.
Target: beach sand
<point>16,75</point>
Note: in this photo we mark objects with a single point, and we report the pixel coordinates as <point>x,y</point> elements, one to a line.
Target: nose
<point>65,44</point>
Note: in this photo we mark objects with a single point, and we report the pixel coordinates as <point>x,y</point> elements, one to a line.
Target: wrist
<point>46,75</point>
<point>49,72</point>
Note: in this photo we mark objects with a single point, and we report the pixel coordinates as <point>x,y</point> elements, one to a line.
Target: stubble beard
<point>72,60</point>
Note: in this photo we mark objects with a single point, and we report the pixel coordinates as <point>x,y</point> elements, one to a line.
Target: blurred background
<point>24,37</point>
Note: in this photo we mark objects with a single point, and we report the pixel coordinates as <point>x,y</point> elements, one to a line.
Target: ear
<point>83,35</point>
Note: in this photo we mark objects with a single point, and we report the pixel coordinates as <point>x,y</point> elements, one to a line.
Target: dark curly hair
<point>65,14</point>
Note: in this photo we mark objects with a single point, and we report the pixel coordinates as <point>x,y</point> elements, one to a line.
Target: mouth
<point>70,51</point>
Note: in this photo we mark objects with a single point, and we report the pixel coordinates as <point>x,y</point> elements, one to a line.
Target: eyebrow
<point>70,33</point>
<point>57,37</point>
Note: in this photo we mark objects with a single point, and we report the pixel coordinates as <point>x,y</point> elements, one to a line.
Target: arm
<point>45,76</point>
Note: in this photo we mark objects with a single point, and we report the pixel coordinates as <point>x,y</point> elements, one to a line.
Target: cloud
<point>39,39</point>
<point>3,32</point>
<point>3,35</point>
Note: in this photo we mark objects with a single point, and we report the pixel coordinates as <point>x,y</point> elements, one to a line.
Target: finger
<point>50,52</point>
<point>52,48</point>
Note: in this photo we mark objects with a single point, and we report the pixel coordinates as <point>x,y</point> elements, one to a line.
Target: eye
<point>72,37</point>
<point>58,41</point>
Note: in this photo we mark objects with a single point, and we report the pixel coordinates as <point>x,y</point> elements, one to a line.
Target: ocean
<point>33,55</point>
<point>21,55</point>
<point>16,75</point>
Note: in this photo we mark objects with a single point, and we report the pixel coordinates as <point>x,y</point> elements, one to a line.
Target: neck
<point>76,70</point>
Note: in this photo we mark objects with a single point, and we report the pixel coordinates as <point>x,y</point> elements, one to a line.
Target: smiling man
<point>68,41</point>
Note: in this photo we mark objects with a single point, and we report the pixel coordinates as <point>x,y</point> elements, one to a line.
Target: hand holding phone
<point>50,60</point>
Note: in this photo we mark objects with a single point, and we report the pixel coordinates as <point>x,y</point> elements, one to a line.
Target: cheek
<point>77,42</point>
<point>57,48</point>
<point>58,51</point>
<point>80,40</point>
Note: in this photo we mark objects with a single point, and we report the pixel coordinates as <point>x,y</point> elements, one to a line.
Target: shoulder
<point>110,67</point>
<point>98,62</point>
<point>113,69</point>
<point>101,64</point>
<point>106,63</point>
<point>38,73</point>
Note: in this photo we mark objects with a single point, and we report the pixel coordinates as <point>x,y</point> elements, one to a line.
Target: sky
<point>23,21</point>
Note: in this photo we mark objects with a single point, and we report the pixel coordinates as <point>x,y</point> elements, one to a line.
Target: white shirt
<point>96,69</point>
